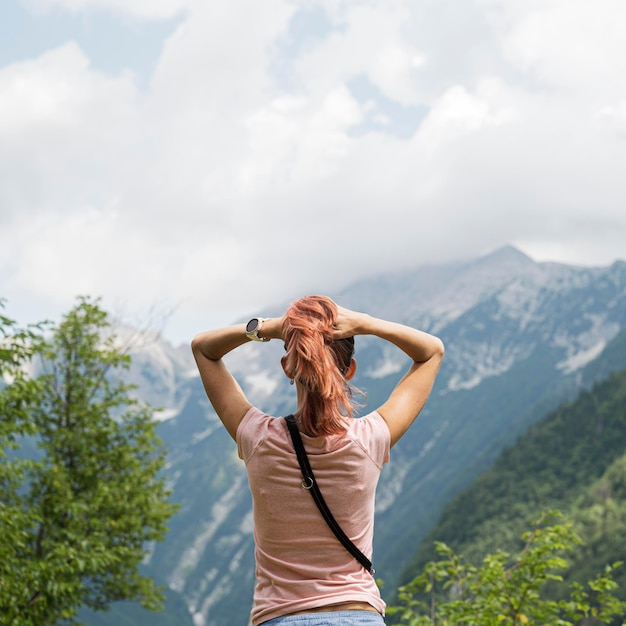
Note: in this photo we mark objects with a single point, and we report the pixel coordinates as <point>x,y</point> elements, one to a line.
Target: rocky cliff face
<point>518,335</point>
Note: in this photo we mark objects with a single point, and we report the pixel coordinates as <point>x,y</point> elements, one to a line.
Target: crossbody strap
<point>309,483</point>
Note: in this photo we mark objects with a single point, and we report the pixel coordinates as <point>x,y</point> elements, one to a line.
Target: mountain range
<point>521,337</point>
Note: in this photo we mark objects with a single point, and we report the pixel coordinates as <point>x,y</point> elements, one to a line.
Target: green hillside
<point>575,461</point>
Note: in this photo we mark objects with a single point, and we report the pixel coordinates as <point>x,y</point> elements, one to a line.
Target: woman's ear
<point>283,362</point>
<point>351,371</point>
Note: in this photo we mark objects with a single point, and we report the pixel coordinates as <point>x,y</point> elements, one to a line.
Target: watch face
<point>252,325</point>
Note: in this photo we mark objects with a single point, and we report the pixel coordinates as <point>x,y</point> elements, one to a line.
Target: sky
<point>193,162</point>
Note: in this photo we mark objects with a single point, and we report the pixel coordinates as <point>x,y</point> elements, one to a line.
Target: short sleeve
<point>383,437</point>
<point>250,433</point>
<point>373,435</point>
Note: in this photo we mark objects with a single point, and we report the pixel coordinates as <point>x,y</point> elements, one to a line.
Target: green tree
<point>82,494</point>
<point>510,591</point>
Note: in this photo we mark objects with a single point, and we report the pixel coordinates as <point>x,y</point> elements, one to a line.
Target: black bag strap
<point>310,484</point>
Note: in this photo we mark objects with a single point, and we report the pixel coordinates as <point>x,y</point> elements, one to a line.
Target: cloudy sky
<point>210,158</point>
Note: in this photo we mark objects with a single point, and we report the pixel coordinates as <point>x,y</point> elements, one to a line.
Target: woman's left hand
<point>349,323</point>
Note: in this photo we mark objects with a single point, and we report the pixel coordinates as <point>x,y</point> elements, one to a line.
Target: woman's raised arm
<point>410,394</point>
<point>226,396</point>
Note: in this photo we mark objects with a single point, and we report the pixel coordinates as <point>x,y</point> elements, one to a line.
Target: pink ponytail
<point>319,364</point>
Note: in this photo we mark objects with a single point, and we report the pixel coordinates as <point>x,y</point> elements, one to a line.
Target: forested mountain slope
<point>575,461</point>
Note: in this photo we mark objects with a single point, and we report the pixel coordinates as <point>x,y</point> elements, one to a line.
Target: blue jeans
<point>329,618</point>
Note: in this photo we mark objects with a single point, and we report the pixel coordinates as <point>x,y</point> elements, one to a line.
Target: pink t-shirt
<point>300,564</point>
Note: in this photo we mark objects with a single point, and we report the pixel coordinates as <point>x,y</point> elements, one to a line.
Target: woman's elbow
<point>438,349</point>
<point>196,345</point>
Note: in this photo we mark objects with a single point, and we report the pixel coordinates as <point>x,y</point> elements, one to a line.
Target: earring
<point>291,381</point>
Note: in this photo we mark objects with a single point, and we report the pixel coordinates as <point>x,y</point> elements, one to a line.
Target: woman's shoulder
<point>253,428</point>
<point>372,420</point>
<point>372,433</point>
<point>253,419</point>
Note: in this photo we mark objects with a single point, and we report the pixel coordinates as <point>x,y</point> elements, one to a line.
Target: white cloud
<point>460,112</point>
<point>571,44</point>
<point>611,118</point>
<point>294,140</point>
<point>151,9</point>
<point>235,178</point>
<point>368,41</point>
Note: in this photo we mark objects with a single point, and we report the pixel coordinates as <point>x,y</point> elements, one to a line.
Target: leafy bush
<point>510,590</point>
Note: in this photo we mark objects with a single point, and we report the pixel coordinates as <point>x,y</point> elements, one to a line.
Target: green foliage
<point>506,590</point>
<point>76,519</point>
<point>575,461</point>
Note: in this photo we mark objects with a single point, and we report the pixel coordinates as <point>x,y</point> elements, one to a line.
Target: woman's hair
<point>319,364</point>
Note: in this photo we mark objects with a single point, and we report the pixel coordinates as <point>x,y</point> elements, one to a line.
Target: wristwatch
<point>253,327</point>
